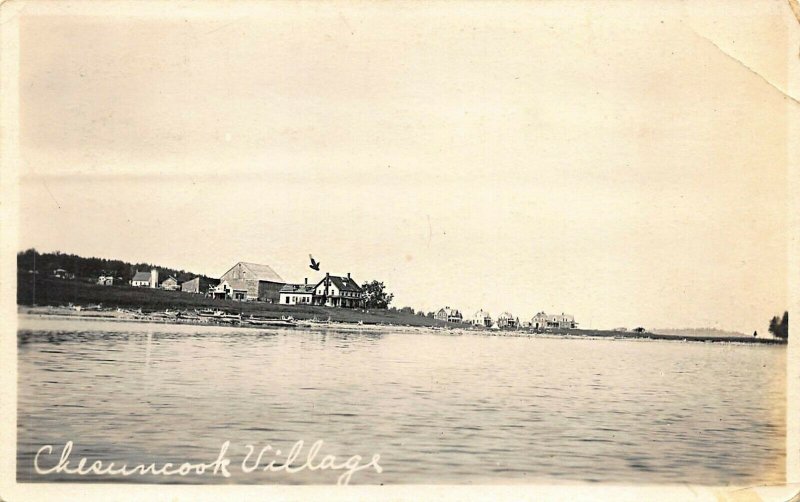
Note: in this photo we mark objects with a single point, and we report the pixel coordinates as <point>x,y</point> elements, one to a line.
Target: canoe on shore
<point>269,322</point>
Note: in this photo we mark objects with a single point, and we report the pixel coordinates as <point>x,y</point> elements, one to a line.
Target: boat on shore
<point>266,321</point>
<point>206,313</point>
<point>189,316</point>
<point>228,318</point>
<point>166,314</point>
<point>218,315</point>
<point>316,321</point>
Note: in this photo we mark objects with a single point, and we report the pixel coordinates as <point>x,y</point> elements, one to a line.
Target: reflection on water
<point>438,409</point>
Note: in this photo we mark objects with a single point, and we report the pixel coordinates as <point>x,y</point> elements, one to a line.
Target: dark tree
<point>377,297</point>
<point>780,326</point>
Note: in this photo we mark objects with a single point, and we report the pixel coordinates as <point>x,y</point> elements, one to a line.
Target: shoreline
<point>67,313</point>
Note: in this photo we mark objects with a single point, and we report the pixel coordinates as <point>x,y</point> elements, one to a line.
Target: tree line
<point>91,268</point>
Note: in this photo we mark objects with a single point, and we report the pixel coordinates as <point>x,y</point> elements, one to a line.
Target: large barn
<point>260,281</point>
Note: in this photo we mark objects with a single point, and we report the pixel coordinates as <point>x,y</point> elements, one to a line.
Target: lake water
<point>437,408</point>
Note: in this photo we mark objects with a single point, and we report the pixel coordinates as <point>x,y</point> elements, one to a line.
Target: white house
<point>336,291</point>
<point>482,318</point>
<point>231,289</point>
<point>105,280</point>
<point>297,294</point>
<point>145,279</point>
<point>539,321</point>
<point>543,320</point>
<point>564,321</point>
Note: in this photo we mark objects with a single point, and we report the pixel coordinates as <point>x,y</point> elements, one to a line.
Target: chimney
<point>306,281</point>
<point>348,275</point>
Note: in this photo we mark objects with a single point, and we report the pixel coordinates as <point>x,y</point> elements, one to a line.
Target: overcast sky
<point>627,167</point>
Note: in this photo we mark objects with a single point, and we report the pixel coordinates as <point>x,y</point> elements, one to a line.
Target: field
<point>57,292</point>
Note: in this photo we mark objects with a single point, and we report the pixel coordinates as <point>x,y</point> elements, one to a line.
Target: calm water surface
<point>437,408</point>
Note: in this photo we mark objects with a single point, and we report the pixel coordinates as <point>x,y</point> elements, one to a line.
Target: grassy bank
<point>58,292</point>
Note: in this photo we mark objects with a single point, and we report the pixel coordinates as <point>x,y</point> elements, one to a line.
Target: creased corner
<point>795,6</point>
<point>747,67</point>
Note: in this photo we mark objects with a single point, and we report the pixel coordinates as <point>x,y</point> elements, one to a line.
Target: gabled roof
<point>557,317</point>
<point>235,284</point>
<point>260,272</point>
<point>343,283</point>
<point>346,284</point>
<point>141,276</point>
<point>298,288</point>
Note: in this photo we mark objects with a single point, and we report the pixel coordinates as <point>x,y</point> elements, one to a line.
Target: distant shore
<point>126,303</point>
<point>121,315</point>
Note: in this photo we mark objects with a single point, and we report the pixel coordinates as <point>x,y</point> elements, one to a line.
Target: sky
<point>625,166</point>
